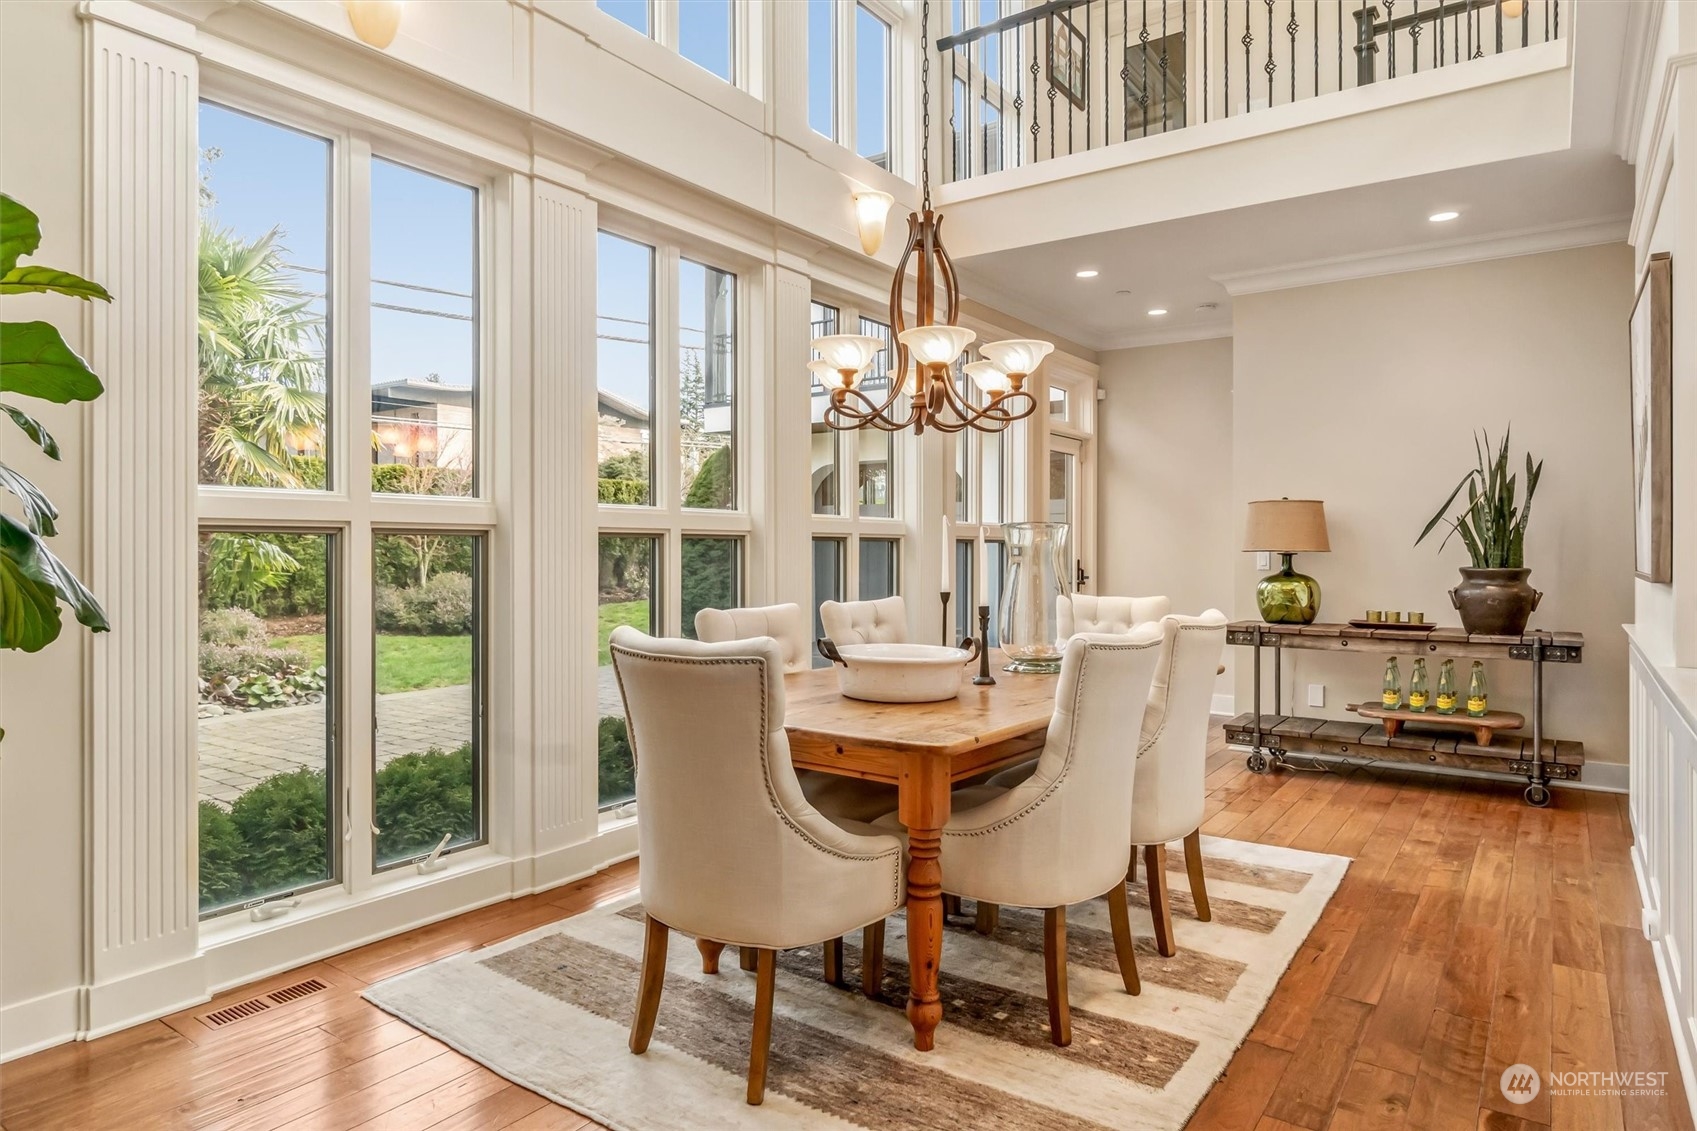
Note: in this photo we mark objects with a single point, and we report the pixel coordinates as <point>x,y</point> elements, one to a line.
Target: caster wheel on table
<point>1259,763</point>
<point>1537,795</point>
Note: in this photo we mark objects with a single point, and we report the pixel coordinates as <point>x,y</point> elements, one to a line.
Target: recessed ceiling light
<point>1088,274</point>
<point>1157,312</point>
<point>1442,217</point>
<point>1122,292</point>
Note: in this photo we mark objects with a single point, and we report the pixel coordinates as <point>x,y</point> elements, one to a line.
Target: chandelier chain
<point>925,100</point>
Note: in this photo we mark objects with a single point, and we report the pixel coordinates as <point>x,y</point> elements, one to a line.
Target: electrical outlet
<point>1263,560</point>
<point>1316,695</point>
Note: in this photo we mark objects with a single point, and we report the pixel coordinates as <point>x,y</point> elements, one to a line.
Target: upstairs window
<point>849,71</point>
<point>702,31</point>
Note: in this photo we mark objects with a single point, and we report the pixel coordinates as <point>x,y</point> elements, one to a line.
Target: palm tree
<point>261,362</point>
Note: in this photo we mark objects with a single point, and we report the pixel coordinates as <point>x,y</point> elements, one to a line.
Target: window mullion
<point>668,468</point>
<point>845,80</point>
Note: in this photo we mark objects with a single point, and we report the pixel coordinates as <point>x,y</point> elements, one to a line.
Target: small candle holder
<point>983,677</point>
<point>947,634</point>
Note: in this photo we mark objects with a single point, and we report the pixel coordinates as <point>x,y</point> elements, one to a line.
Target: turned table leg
<point>924,808</point>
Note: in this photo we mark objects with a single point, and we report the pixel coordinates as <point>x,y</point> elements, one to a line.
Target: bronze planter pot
<point>1495,602</point>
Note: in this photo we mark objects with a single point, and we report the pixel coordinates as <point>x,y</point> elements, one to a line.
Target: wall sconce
<point>871,208</point>
<point>375,21</point>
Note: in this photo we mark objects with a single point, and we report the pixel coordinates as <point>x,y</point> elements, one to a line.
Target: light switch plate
<point>1263,560</point>
<point>1316,695</point>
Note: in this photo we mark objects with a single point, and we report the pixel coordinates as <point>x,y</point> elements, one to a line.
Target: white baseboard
<point>144,996</point>
<point>1223,704</point>
<point>39,1023</point>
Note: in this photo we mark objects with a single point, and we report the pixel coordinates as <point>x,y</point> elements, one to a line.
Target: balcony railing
<point>1068,76</point>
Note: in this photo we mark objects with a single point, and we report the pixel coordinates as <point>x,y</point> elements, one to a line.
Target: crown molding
<point>1200,332</point>
<point>1643,25</point>
<point>1419,257</point>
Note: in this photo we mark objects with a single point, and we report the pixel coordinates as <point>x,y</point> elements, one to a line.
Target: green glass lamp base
<point>1288,597</point>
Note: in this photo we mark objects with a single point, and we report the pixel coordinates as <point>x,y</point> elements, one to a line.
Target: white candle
<point>981,572</point>
<point>948,565</point>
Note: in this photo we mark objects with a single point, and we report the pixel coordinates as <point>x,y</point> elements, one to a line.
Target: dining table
<point>924,750</point>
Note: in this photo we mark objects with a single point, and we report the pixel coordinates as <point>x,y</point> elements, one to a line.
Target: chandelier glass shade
<point>922,392</point>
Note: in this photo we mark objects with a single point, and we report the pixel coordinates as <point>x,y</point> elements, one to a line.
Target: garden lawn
<point>405,663</point>
<point>609,617</point>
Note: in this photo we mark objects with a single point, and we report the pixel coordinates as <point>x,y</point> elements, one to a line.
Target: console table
<point>1273,739</point>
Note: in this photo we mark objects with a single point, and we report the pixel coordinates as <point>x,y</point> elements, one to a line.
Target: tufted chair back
<point>1172,755</point>
<point>1058,836</point>
<point>1085,612</point>
<point>783,623</point>
<point>730,848</point>
<point>865,622</point>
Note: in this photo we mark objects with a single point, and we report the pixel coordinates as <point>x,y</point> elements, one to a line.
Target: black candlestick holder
<point>983,677</point>
<point>947,634</point>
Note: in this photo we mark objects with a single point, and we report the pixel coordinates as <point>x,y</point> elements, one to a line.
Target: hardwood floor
<point>1471,933</point>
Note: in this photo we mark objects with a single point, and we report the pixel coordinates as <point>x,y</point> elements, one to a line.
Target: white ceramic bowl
<point>899,673</point>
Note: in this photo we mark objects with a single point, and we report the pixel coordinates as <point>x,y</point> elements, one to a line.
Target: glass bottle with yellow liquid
<point>1391,698</point>
<point>1419,692</point>
<point>1478,702</point>
<point>1446,688</point>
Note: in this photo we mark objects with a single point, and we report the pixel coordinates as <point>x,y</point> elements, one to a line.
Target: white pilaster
<point>792,402</point>
<point>142,189</point>
<point>563,511</point>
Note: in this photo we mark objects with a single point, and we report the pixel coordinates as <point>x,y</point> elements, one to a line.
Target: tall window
<point>849,74</point>
<point>702,31</point>
<point>340,653</point>
<point>673,522</point>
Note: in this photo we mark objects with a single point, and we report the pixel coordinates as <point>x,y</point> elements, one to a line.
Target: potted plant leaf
<point>1494,597</point>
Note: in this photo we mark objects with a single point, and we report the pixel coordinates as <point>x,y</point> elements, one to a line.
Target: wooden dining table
<point>923,749</point>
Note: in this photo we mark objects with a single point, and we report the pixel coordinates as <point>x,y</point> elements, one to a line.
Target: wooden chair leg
<point>1119,917</point>
<point>653,979</point>
<point>1160,909</point>
<point>951,906</point>
<point>872,959</point>
<point>988,918</point>
<point>710,952</point>
<point>1055,974</point>
<point>834,961</point>
<point>745,958</point>
<point>765,982</point>
<point>1198,884</point>
<point>1131,869</point>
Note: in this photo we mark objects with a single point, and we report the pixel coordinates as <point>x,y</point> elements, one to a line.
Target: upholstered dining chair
<point>839,798</point>
<point>731,851</point>
<point>1085,612</point>
<point>865,622</point>
<point>1060,836</point>
<point>786,624</point>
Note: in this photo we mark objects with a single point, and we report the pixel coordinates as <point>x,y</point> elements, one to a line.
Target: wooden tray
<point>1394,626</point>
<point>1484,727</point>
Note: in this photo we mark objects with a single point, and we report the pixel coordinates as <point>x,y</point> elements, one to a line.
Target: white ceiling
<point>1573,197</point>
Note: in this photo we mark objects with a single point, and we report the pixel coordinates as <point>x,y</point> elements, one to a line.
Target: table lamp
<point>1286,527</point>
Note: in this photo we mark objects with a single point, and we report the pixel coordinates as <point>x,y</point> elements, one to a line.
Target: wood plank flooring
<point>1471,933</point>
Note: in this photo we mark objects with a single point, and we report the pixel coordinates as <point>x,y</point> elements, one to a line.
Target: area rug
<point>551,1010</point>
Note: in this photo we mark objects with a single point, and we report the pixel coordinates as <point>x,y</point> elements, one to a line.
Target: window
<point>850,70</point>
<point>674,525</point>
<point>341,633</point>
<point>878,561</point>
<point>829,556</point>
<point>702,31</point>
<point>827,446</point>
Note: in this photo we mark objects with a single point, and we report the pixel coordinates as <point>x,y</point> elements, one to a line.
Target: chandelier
<point>926,352</point>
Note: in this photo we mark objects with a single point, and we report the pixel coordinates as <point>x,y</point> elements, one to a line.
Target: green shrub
<point>284,832</point>
<point>232,626</point>
<point>616,767</point>
<point>221,853</point>
<point>441,606</point>
<point>221,663</point>
<point>711,487</point>
<point>627,492</point>
<point>421,796</point>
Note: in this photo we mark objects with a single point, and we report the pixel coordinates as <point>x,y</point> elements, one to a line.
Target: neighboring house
<point>422,422</point>
<point>624,427</point>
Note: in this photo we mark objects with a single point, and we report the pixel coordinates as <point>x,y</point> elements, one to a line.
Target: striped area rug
<point>551,1009</point>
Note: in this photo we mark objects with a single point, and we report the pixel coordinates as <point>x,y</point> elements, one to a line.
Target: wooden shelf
<point>1484,727</point>
<point>1511,754</point>
<point>1556,647</point>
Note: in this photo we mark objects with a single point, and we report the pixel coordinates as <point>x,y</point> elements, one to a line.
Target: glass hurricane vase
<point>1039,570</point>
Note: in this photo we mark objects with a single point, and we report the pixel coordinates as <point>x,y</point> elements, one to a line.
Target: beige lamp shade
<point>1287,526</point>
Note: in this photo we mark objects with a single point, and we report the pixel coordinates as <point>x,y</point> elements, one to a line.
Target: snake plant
<point>1493,524</point>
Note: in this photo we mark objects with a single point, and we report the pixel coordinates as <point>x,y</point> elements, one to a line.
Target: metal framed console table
<point>1274,739</point>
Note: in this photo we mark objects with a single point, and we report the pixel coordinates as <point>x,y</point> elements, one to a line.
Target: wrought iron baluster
<point>977,112</point>
<point>1269,66</point>
<point>1438,54</point>
<point>1226,51</point>
<point>1143,93</point>
<point>1316,15</point>
<point>1069,107</point>
<point>1036,70</point>
<point>1499,29</point>
<point>1019,99</point>
<point>1164,66</point>
<point>1248,42</point>
<point>1414,37</point>
<point>1525,26</point>
<point>1184,75</point>
<point>954,108</point>
<point>1001,109</point>
<point>1390,36</point>
<point>1340,44</point>
<point>1291,29</point>
<point>1558,18</point>
<point>1107,78</point>
<point>1051,92</point>
<point>1125,70</point>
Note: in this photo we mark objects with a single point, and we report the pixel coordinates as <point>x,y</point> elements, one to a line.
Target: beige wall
<point>1364,393</point>
<point>41,760</point>
<point>1164,451</point>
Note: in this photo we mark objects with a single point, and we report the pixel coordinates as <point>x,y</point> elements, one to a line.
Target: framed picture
<point>1651,331</point>
<point>1069,62</point>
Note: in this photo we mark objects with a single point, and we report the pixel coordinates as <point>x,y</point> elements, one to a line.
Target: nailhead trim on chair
<point>765,761</point>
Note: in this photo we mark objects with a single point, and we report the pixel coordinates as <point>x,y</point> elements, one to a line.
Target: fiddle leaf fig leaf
<point>35,361</point>
<point>20,232</point>
<point>39,510</point>
<point>26,565</point>
<point>33,429</point>
<point>26,279</point>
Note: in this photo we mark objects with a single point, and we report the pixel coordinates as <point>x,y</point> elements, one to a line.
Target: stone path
<point>239,751</point>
